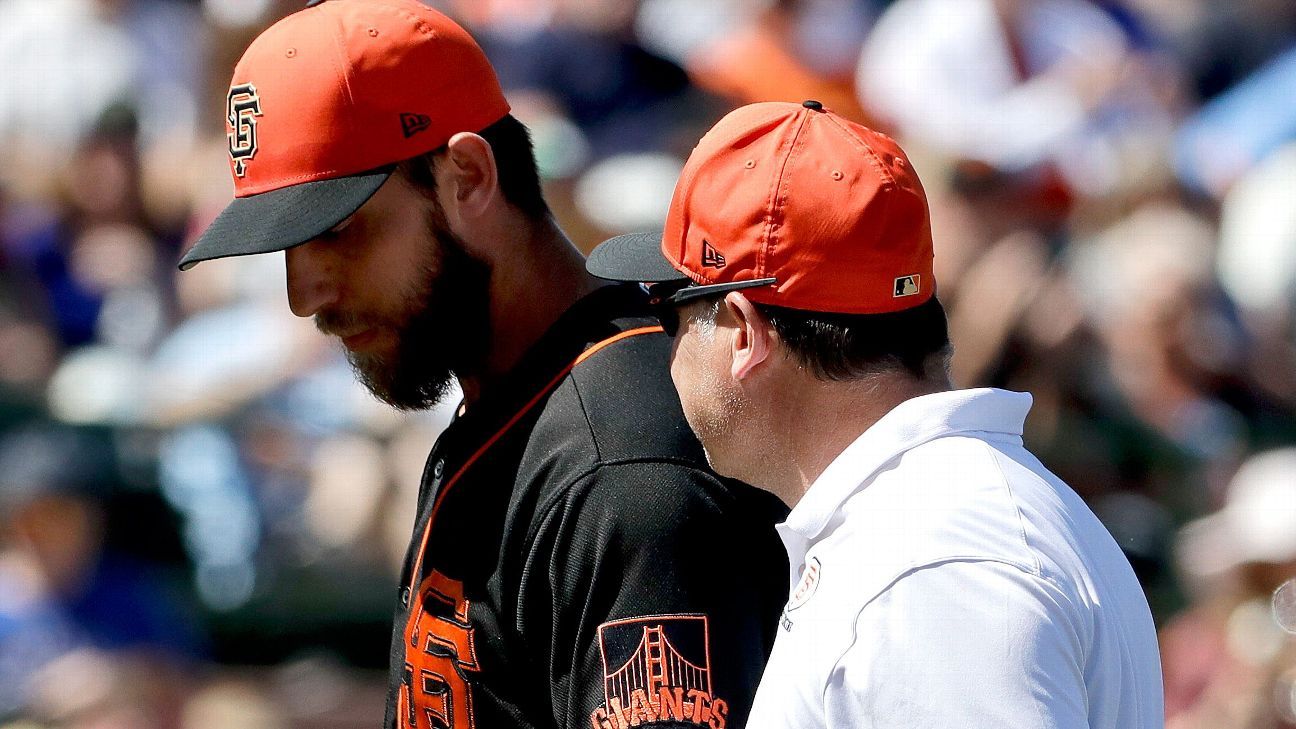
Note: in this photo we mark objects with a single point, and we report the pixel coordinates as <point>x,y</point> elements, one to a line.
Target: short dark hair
<point>841,347</point>
<point>519,176</point>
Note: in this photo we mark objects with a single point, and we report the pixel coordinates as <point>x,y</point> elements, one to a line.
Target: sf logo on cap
<point>242,106</point>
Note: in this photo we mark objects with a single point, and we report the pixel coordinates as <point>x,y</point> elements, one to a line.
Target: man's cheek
<point>689,400</point>
<point>679,377</point>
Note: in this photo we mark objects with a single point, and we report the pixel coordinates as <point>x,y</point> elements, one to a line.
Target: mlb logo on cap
<point>908,286</point>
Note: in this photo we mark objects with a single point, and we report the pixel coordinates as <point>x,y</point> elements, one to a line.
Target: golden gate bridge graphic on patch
<point>657,668</point>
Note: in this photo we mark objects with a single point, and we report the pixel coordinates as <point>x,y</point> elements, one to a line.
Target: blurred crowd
<point>201,514</point>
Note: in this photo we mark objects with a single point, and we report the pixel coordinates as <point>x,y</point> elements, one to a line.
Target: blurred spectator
<point>1043,97</point>
<point>1171,337</point>
<point>60,589</point>
<point>1256,265</point>
<point>1257,254</point>
<point>1228,663</point>
<point>66,61</point>
<point>758,50</point>
<point>94,261</point>
<point>1218,42</point>
<point>1239,128</point>
<point>579,54</point>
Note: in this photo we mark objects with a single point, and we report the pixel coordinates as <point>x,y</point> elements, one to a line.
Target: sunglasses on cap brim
<point>667,297</point>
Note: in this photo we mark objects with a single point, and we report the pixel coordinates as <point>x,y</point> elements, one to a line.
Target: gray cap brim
<point>633,257</point>
<point>283,218</point>
<point>637,257</point>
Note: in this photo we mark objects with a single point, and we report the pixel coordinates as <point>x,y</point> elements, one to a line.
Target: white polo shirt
<point>943,578</point>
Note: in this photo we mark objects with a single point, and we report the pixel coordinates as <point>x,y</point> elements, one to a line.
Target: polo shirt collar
<point>908,425</point>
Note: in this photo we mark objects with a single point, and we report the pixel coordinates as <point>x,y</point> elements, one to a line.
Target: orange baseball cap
<point>805,209</point>
<point>323,105</point>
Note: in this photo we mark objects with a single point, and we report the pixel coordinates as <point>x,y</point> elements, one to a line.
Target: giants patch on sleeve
<point>657,668</point>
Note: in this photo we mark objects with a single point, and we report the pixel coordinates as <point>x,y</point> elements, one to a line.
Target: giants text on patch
<point>657,669</point>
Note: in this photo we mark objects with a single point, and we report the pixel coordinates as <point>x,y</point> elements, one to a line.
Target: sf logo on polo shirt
<point>242,106</point>
<point>805,590</point>
<point>657,668</point>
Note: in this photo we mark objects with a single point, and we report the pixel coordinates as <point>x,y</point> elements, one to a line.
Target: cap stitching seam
<point>779,199</point>
<point>889,181</point>
<point>697,278</point>
<point>345,69</point>
<point>688,178</point>
<point>872,154</point>
<point>420,24</point>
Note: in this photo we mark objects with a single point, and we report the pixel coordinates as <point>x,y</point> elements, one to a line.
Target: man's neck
<point>542,278</point>
<point>821,419</point>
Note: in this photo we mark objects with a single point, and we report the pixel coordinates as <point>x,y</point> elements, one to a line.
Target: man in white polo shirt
<point>941,576</point>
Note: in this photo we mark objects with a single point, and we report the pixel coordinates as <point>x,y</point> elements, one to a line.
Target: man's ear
<point>468,178</point>
<point>753,337</point>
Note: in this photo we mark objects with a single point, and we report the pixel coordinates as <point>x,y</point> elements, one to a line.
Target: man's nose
<point>310,283</point>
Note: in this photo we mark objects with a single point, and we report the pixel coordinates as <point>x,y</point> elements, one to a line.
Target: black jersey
<point>575,563</point>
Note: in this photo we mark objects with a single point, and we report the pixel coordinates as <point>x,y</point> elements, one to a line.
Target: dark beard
<point>446,333</point>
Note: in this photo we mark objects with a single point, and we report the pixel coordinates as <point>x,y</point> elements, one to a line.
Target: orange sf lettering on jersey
<point>440,657</point>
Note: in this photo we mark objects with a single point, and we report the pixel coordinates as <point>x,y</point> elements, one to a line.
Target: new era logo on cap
<point>711,258</point>
<point>908,286</point>
<point>414,123</point>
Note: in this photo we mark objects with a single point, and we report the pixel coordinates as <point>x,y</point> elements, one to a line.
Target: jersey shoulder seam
<point>571,379</point>
<point>551,501</point>
<point>994,455</point>
<point>589,426</point>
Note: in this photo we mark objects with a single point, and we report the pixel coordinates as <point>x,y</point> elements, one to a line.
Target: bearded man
<point>574,562</point>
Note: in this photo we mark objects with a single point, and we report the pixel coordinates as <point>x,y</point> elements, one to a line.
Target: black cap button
<point>812,104</point>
